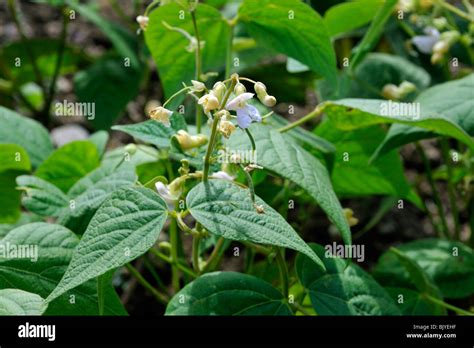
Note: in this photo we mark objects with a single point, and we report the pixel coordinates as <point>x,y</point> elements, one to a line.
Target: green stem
<point>198,62</point>
<point>315,113</point>
<point>252,141</point>
<point>451,188</point>
<point>174,241</point>
<point>297,307</point>
<point>455,10</point>
<point>210,148</point>
<point>228,61</point>
<point>159,296</point>
<point>210,263</point>
<point>437,200</point>
<point>249,183</point>
<point>101,294</point>
<point>284,278</point>
<point>196,240</point>
<point>455,309</point>
<point>167,259</point>
<point>57,68</point>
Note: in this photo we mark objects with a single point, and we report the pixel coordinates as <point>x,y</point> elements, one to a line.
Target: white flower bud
<point>198,86</point>
<point>269,101</point>
<point>239,89</point>
<point>209,102</point>
<point>187,141</point>
<point>260,88</point>
<point>161,114</point>
<point>143,22</point>
<point>219,90</point>
<point>226,128</point>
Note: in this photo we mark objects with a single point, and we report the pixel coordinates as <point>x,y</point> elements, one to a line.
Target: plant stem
<point>455,309</point>
<point>214,255</point>
<point>297,307</point>
<point>228,61</point>
<point>437,200</point>
<point>174,239</point>
<point>284,278</point>
<point>451,188</point>
<point>210,148</point>
<point>167,259</point>
<point>57,68</point>
<point>195,260</point>
<point>315,113</point>
<point>198,69</point>
<point>159,296</point>
<point>455,10</point>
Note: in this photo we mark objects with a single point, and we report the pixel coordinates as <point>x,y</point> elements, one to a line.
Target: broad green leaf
<point>422,284</point>
<point>349,114</point>
<point>292,28</point>
<point>228,293</point>
<point>65,166</point>
<point>27,133</point>
<point>108,85</point>
<point>342,289</point>
<point>100,140</point>
<point>176,64</point>
<point>45,53</point>
<point>125,226</point>
<point>19,302</point>
<point>54,245</point>
<point>372,74</point>
<point>347,16</point>
<point>449,264</point>
<point>227,210</point>
<point>372,36</point>
<point>151,132</point>
<point>13,161</point>
<point>354,176</point>
<point>279,154</point>
<point>91,191</point>
<point>25,218</point>
<point>454,100</point>
<point>414,302</point>
<point>41,197</point>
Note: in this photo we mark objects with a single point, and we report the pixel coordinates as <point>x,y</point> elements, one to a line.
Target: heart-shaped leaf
<point>19,302</point>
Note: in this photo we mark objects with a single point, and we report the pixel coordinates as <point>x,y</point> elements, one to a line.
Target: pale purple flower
<point>425,43</point>
<point>222,175</point>
<point>246,114</point>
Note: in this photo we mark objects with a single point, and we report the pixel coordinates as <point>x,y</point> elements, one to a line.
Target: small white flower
<point>143,22</point>
<point>222,175</point>
<point>246,114</point>
<point>209,102</point>
<point>239,102</point>
<point>425,43</point>
<point>165,193</point>
<point>162,115</point>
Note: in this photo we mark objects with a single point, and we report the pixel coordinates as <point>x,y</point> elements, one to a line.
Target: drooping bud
<point>260,89</point>
<point>269,101</point>
<point>143,22</point>
<point>161,114</point>
<point>131,149</point>
<point>239,89</point>
<point>198,86</point>
<point>351,220</point>
<point>187,141</point>
<point>391,91</point>
<point>219,90</point>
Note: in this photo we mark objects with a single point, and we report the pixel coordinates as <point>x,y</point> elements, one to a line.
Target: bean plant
<point>221,197</point>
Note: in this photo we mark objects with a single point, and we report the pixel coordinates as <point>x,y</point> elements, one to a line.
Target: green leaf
<point>449,264</point>
<point>92,190</point>
<point>45,52</point>
<point>19,302</point>
<point>100,140</point>
<point>342,289</point>
<point>175,64</point>
<point>41,197</point>
<point>454,100</point>
<point>54,245</point>
<point>349,114</point>
<point>125,226</point>
<point>292,28</point>
<point>280,154</point>
<point>227,210</point>
<point>372,74</point>
<point>354,176</point>
<point>29,134</point>
<point>347,16</point>
<point>13,161</point>
<point>414,302</point>
<point>151,132</point>
<point>65,166</point>
<point>228,293</point>
<point>25,218</point>
<point>109,84</point>
<point>372,36</point>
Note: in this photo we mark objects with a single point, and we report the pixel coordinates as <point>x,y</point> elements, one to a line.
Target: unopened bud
<point>239,89</point>
<point>198,86</point>
<point>269,101</point>
<point>219,90</point>
<point>226,128</point>
<point>143,22</point>
<point>131,149</point>
<point>187,141</point>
